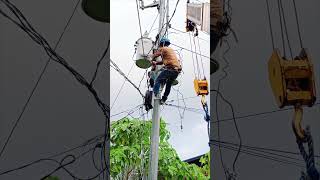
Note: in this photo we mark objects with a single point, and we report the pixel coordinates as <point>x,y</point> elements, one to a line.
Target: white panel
<point>205,25</point>
<point>194,13</point>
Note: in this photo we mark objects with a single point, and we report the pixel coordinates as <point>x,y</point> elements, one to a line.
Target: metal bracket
<point>154,4</point>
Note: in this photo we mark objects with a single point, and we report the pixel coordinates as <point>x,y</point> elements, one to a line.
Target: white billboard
<point>199,13</point>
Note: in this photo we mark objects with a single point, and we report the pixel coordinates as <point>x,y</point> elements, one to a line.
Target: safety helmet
<point>165,41</point>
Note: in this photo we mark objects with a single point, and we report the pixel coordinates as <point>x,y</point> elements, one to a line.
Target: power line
<point>263,149</point>
<point>62,166</point>
<point>185,108</point>
<point>40,40</point>
<point>115,67</point>
<point>226,173</point>
<point>260,155</point>
<point>153,23</point>
<point>165,25</point>
<point>128,110</point>
<point>190,50</point>
<point>86,143</point>
<point>138,12</point>
<point>99,63</point>
<point>191,97</point>
<point>124,81</point>
<point>258,114</point>
<point>38,80</point>
<point>183,32</point>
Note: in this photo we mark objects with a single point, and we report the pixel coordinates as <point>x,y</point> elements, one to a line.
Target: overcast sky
<point>192,140</point>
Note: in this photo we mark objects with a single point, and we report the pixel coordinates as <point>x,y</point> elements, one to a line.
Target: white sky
<point>192,140</point>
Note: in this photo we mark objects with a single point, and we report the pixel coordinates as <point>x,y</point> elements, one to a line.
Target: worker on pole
<point>171,68</point>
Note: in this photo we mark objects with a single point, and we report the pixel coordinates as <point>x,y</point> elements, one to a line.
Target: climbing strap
<point>205,108</point>
<point>312,172</point>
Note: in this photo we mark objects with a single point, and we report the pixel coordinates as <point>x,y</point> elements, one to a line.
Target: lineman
<point>169,72</point>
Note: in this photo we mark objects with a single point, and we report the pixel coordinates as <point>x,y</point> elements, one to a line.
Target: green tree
<point>205,162</point>
<point>52,178</point>
<point>129,155</point>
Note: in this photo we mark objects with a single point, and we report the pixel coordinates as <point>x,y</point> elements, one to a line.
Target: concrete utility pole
<point>154,149</point>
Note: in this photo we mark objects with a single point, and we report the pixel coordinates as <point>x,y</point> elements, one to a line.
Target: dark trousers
<point>166,76</point>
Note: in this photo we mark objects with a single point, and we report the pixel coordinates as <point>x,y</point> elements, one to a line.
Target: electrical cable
<point>140,25</point>
<point>125,111</point>
<point>124,81</point>
<point>269,150</point>
<point>115,67</point>
<point>191,51</point>
<point>153,23</point>
<point>258,114</point>
<point>38,81</point>
<point>99,63</point>
<point>164,26</point>
<point>37,38</point>
<point>86,143</point>
<point>236,126</point>
<point>260,155</point>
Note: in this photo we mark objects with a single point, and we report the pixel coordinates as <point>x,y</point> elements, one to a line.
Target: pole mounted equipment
<point>99,10</point>
<point>144,49</point>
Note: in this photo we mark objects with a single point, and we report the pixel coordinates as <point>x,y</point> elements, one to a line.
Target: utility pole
<point>154,149</point>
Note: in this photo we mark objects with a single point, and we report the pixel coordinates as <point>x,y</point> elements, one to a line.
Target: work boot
<point>163,100</point>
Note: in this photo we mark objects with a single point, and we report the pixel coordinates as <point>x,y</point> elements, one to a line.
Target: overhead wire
<point>191,51</point>
<point>158,38</point>
<point>263,149</point>
<point>260,155</point>
<point>183,32</point>
<point>181,114</point>
<point>217,115</point>
<point>124,81</point>
<point>125,111</point>
<point>115,67</point>
<point>143,76</point>
<point>258,114</point>
<point>199,111</point>
<point>86,143</point>
<point>153,23</point>
<point>38,80</point>
<point>38,38</point>
<point>99,63</point>
<point>138,12</point>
